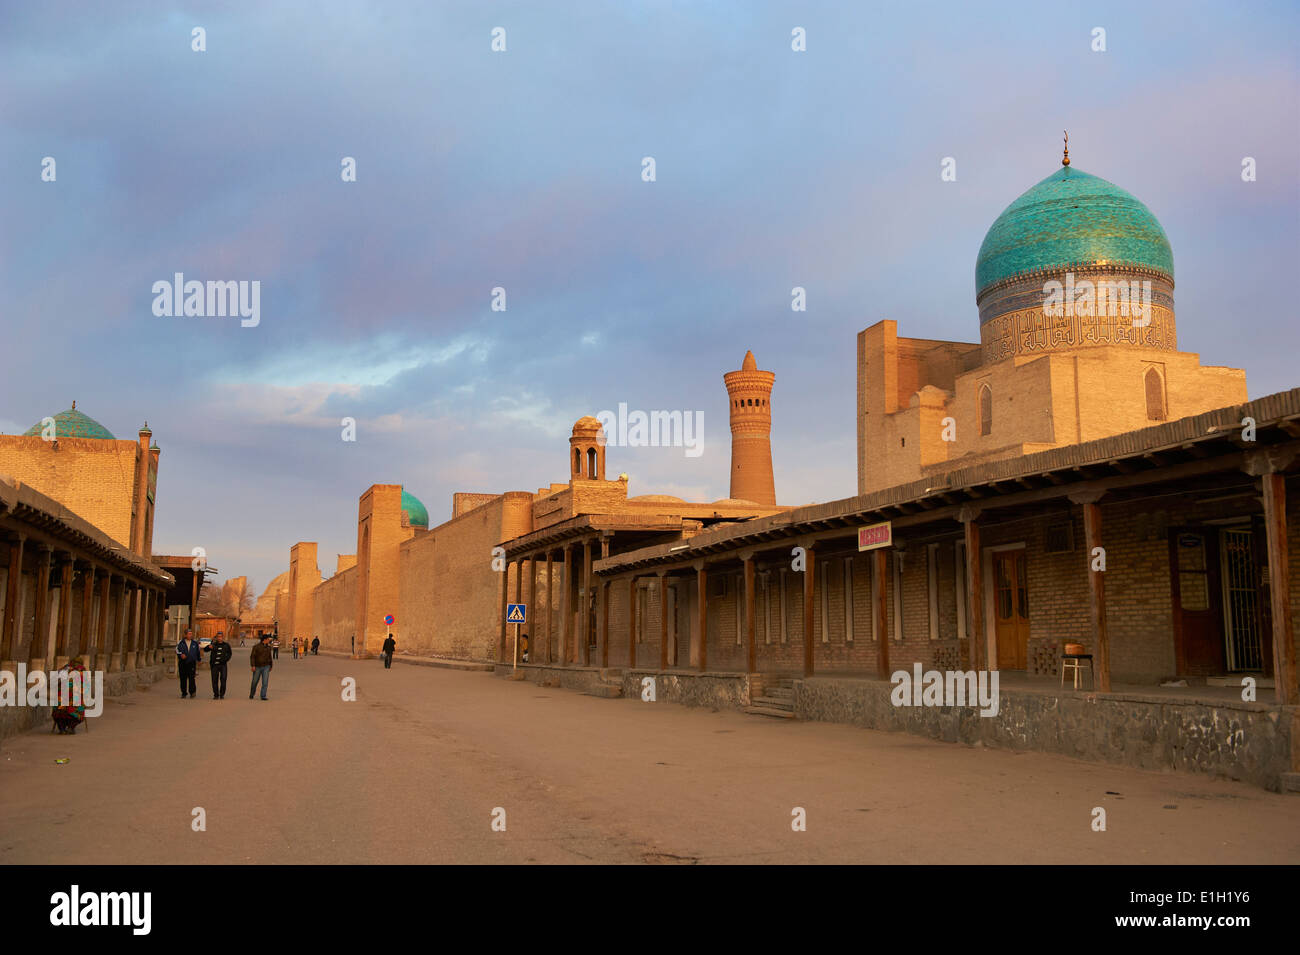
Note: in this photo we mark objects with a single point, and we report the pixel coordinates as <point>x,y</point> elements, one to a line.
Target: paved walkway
<point>411,772</point>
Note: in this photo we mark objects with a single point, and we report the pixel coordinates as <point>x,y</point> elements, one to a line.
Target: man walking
<point>275,647</point>
<point>187,663</point>
<point>315,646</point>
<point>295,648</point>
<point>389,646</point>
<point>219,655</point>
<point>260,661</point>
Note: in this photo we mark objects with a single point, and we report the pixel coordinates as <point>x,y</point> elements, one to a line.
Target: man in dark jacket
<point>260,660</point>
<point>315,646</point>
<point>389,646</point>
<point>188,653</point>
<point>219,655</point>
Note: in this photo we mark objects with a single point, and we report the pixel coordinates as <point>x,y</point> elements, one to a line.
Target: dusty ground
<point>412,771</point>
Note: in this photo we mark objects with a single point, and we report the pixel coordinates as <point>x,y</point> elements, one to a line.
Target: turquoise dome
<point>415,513</point>
<point>73,424</point>
<point>1072,219</point>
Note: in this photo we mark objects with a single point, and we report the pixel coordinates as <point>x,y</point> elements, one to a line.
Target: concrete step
<point>1291,782</point>
<point>780,692</point>
<point>775,702</point>
<point>606,691</point>
<point>769,711</point>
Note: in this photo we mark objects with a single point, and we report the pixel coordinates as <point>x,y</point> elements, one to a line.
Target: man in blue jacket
<point>187,663</point>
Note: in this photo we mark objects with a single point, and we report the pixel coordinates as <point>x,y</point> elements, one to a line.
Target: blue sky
<point>522,170</point>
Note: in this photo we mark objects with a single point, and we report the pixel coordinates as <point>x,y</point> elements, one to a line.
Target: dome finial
<point>1065,161</point>
<point>74,404</point>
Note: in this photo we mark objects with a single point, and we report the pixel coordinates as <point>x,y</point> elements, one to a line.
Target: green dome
<point>415,513</point>
<point>73,424</point>
<point>1068,220</point>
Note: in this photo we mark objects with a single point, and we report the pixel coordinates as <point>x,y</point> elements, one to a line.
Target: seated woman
<point>69,716</point>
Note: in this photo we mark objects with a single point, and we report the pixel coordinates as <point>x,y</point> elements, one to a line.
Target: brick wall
<point>334,607</point>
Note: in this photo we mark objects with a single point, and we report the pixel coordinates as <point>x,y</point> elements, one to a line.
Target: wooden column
<point>588,604</point>
<point>550,608</point>
<point>41,632</point>
<point>84,636</point>
<point>530,598</point>
<point>63,630</point>
<point>604,623</point>
<point>12,631</point>
<point>974,589</point>
<point>663,620</point>
<point>505,599</point>
<point>631,622</point>
<point>566,607</point>
<point>702,585</point>
<point>880,564</point>
<point>751,651</point>
<point>1279,589</point>
<point>1096,593</point>
<point>101,627</point>
<point>809,599</point>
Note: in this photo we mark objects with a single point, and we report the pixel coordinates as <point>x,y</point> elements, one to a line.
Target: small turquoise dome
<point>73,424</point>
<point>414,511</point>
<point>1072,219</point>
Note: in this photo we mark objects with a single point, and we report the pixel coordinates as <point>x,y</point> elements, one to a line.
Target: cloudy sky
<point>523,169</point>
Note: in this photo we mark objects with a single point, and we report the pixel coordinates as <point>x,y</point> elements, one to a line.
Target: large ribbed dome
<point>73,424</point>
<point>1072,220</point>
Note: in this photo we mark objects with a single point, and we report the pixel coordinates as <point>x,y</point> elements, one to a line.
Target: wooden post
<point>809,596</point>
<point>101,639</point>
<point>631,622</point>
<point>531,595</point>
<point>566,608</point>
<point>974,588</point>
<point>1279,589</point>
<point>505,599</point>
<point>11,632</point>
<point>588,605</point>
<point>41,633</point>
<point>751,651</point>
<point>550,607</point>
<point>604,623</point>
<point>663,620</point>
<point>87,611</point>
<point>63,631</point>
<point>1096,594</point>
<point>881,610</point>
<point>702,585</point>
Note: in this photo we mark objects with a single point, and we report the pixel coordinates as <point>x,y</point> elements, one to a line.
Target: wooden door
<point>1198,614</point>
<point>1011,609</point>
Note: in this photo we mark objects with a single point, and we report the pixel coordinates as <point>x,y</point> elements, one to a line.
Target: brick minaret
<point>750,391</point>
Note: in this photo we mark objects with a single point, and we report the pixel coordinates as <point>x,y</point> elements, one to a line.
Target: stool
<point>1073,659</point>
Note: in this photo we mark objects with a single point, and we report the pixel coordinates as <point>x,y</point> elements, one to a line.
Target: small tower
<point>750,391</point>
<point>587,451</point>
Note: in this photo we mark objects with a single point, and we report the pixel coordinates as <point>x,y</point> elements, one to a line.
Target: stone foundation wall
<point>20,719</point>
<point>714,690</point>
<point>1251,742</point>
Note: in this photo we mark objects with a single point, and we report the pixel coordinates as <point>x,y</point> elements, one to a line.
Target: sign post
<point>516,614</point>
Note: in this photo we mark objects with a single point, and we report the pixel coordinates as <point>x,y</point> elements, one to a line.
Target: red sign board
<point>874,536</point>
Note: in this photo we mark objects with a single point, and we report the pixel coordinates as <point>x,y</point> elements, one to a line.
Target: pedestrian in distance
<point>219,655</point>
<point>315,646</point>
<point>260,662</point>
<point>188,653</point>
<point>275,647</point>
<point>295,648</point>
<point>389,646</point>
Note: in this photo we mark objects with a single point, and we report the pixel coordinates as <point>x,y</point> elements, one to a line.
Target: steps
<point>609,687</point>
<point>772,697</point>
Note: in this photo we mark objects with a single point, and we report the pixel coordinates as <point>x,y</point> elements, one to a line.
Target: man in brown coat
<point>260,662</point>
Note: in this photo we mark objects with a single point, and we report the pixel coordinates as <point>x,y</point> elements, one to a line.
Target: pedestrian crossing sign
<point>515,613</point>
